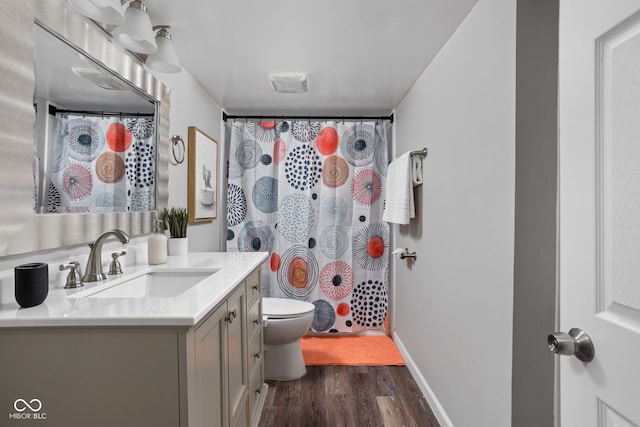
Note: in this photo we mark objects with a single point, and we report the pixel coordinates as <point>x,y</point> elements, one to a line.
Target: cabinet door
<point>211,359</point>
<point>86,376</point>
<point>237,350</point>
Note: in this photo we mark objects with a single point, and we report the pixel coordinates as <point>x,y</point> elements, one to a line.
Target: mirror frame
<point>21,229</point>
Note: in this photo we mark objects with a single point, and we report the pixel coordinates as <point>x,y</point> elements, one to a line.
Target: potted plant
<point>176,221</point>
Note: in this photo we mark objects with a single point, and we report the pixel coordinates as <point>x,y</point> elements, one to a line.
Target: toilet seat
<point>284,308</point>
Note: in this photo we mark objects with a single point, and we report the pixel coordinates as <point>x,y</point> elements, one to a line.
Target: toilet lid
<point>282,308</point>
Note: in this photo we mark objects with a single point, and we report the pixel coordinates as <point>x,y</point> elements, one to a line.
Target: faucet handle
<point>73,278</point>
<point>115,267</point>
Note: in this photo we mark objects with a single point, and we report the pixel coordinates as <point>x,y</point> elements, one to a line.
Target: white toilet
<point>286,321</point>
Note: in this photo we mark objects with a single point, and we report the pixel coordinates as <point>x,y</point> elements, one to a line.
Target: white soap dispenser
<point>157,245</point>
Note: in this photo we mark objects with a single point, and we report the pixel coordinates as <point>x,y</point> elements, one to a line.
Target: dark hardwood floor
<point>348,396</point>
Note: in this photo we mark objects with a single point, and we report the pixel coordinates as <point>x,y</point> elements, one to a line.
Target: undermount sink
<point>154,283</point>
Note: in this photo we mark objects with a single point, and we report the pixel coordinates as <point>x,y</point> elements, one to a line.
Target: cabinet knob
<point>256,321</point>
<point>255,287</point>
<point>232,315</point>
<point>259,390</point>
<point>257,355</point>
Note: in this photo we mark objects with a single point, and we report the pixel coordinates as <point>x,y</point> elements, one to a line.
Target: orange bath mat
<point>354,351</point>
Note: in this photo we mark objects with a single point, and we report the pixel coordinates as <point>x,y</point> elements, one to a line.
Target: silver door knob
<point>576,343</point>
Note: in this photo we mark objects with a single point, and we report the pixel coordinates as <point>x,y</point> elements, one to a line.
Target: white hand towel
<point>399,207</point>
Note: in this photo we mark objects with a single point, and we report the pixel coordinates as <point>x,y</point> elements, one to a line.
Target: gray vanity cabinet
<point>257,388</point>
<point>207,406</point>
<point>209,374</point>
<point>226,371</point>
<point>90,376</point>
<point>221,379</point>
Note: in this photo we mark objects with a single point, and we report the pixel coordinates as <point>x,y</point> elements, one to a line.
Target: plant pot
<point>178,246</point>
<point>207,197</point>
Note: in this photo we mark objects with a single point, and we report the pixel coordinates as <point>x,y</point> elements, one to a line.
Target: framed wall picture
<point>203,176</point>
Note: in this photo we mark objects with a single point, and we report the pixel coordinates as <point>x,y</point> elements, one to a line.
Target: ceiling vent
<point>289,82</point>
<point>99,78</point>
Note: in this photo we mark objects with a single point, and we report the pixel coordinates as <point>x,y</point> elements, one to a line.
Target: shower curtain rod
<point>226,117</point>
<point>54,110</point>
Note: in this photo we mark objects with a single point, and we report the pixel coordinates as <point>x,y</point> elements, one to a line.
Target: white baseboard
<point>431,398</point>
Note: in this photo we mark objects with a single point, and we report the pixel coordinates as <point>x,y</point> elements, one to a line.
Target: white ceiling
<point>362,56</point>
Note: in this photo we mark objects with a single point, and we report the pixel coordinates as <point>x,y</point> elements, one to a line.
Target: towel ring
<point>177,158</point>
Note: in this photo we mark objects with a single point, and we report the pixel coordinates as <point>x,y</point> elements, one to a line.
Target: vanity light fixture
<point>135,33</point>
<point>104,11</point>
<point>165,60</point>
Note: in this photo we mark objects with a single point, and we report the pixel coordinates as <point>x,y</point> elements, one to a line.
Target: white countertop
<point>72,307</point>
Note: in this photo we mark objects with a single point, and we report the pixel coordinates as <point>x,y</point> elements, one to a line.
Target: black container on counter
<point>32,283</point>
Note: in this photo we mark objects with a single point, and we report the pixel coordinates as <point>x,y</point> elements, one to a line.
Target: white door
<point>599,209</point>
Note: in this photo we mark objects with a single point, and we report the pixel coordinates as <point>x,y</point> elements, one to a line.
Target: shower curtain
<point>101,164</point>
<point>312,194</point>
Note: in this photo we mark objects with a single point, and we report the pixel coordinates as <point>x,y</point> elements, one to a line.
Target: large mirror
<point>95,134</point>
<point>26,164</point>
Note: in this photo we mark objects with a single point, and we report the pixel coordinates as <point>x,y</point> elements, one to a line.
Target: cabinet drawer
<point>254,288</point>
<point>254,319</point>
<point>255,353</point>
<point>255,390</point>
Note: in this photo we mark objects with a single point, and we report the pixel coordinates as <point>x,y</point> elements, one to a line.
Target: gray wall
<point>453,307</point>
<point>535,223</point>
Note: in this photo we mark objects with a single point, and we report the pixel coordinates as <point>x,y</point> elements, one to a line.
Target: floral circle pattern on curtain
<point>312,195</point>
<point>101,164</point>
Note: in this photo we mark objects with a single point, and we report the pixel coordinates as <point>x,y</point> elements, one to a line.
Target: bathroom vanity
<point>126,352</point>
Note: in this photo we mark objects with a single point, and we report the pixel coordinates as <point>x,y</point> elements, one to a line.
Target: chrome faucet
<point>93,272</point>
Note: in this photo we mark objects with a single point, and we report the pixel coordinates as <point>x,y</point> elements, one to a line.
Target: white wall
<point>191,105</point>
<point>453,307</point>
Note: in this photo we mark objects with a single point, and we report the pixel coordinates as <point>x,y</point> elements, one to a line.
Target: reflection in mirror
<point>95,134</point>
<point>21,229</point>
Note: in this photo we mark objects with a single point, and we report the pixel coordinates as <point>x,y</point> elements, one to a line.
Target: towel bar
<point>416,174</point>
<point>424,152</point>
